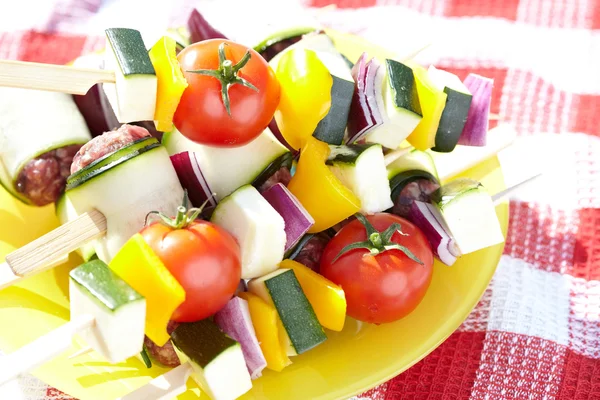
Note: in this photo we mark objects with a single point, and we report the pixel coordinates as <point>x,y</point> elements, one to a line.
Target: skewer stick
<point>42,349</point>
<point>48,250</point>
<point>55,78</point>
<point>167,386</point>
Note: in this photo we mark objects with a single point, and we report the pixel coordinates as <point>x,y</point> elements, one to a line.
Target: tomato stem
<point>379,242</point>
<point>227,74</point>
<point>185,216</point>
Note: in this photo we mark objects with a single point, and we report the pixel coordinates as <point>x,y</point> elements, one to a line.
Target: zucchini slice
<point>125,191</point>
<point>399,105</point>
<point>454,116</point>
<point>58,123</point>
<point>258,228</point>
<point>361,168</point>
<point>227,169</point>
<point>413,166</point>
<point>216,359</point>
<point>133,96</point>
<point>282,289</point>
<point>469,213</point>
<point>119,311</point>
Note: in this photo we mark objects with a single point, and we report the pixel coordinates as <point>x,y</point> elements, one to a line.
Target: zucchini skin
<point>110,161</point>
<point>132,55</point>
<point>332,128</point>
<point>452,121</point>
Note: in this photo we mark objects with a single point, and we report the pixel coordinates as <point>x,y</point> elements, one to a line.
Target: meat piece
<point>420,189</point>
<point>107,143</point>
<point>311,253</point>
<point>282,175</point>
<point>42,180</point>
<point>164,355</point>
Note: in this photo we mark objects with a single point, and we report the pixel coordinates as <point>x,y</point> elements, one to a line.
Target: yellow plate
<point>352,361</point>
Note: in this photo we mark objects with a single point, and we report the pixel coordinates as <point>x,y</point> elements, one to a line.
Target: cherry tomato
<point>384,287</point>
<point>204,258</point>
<point>202,115</point>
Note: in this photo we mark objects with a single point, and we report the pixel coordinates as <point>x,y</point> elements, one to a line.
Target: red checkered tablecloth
<point>535,334</point>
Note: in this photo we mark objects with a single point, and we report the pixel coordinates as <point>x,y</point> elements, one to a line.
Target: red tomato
<point>204,258</point>
<point>201,114</point>
<point>385,287</point>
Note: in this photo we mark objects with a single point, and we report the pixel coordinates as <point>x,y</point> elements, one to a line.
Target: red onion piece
<point>364,111</point>
<point>297,220</point>
<point>475,130</point>
<point>427,218</point>
<point>200,29</point>
<point>234,319</point>
<point>191,178</point>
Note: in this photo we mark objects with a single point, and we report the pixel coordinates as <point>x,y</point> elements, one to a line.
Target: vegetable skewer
<point>35,256</point>
<point>173,383</point>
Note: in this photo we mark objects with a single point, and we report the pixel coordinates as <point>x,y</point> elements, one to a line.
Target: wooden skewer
<point>165,387</point>
<point>50,249</point>
<point>42,349</point>
<point>55,78</point>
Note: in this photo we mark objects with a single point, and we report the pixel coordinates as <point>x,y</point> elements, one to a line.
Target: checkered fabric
<point>535,334</point>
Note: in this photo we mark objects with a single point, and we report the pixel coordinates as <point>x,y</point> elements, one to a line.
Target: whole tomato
<point>231,96</point>
<point>385,266</point>
<point>203,257</point>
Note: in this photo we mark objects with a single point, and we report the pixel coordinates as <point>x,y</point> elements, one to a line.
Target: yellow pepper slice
<point>305,95</point>
<point>327,299</point>
<point>267,326</point>
<point>138,265</point>
<point>433,101</point>
<point>171,82</point>
<point>325,198</point>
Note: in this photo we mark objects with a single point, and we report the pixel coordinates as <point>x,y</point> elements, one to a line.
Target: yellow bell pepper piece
<point>433,101</point>
<point>325,198</point>
<point>138,265</point>
<point>327,299</point>
<point>171,82</point>
<point>305,95</point>
<point>267,326</point>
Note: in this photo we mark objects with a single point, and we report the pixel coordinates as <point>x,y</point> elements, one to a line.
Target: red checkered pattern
<point>535,334</point>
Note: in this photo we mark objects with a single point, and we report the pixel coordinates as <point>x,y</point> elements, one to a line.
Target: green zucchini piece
<point>112,157</point>
<point>402,82</point>
<point>413,166</point>
<point>112,160</point>
<point>361,168</point>
<point>398,105</point>
<point>125,192</point>
<point>226,169</point>
<point>103,285</point>
<point>281,36</point>
<point>469,213</point>
<point>415,160</point>
<point>119,310</point>
<point>282,289</point>
<point>133,95</point>
<point>145,358</point>
<point>456,110</point>
<point>332,127</point>
<point>130,51</point>
<point>216,359</point>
